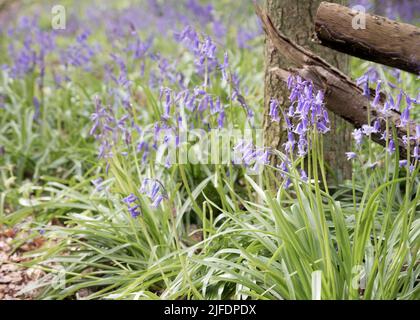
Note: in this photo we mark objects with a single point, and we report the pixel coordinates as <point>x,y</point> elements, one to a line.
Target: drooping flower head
<point>274,110</point>
<point>133,208</point>
<point>153,189</point>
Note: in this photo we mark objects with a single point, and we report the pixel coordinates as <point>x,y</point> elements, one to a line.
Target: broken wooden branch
<point>385,41</point>
<point>342,95</point>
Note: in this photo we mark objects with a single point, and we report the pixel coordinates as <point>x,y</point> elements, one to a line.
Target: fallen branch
<point>385,41</point>
<point>342,95</point>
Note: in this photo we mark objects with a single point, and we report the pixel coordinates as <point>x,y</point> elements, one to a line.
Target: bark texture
<point>296,19</point>
<point>385,41</point>
<point>342,96</point>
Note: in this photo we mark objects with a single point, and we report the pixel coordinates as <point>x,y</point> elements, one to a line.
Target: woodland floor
<point>13,275</point>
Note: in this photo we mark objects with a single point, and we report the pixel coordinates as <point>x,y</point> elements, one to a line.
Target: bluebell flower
<point>202,12</point>
<point>391,147</point>
<point>204,51</point>
<point>364,82</point>
<point>322,127</point>
<point>221,119</point>
<point>398,101</point>
<point>319,99</point>
<point>405,140</point>
<point>131,198</point>
<point>37,108</point>
<point>291,112</point>
<point>98,184</point>
<point>157,200</point>
<point>308,113</point>
<point>405,117</point>
<point>386,109</point>
<point>384,136</point>
<point>290,143</point>
<point>133,208</point>
<point>402,163</point>
<point>139,48</point>
<point>225,67</point>
<point>284,167</point>
<point>134,211</point>
<point>203,103</point>
<point>274,111</point>
<point>368,130</point>
<point>358,136</point>
<point>302,146</point>
<point>218,105</point>
<point>246,153</point>
<point>376,126</point>
<point>153,190</point>
<point>303,175</point>
<point>351,155</point>
<point>168,101</point>
<point>377,94</point>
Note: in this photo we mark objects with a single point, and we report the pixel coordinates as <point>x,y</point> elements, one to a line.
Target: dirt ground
<point>13,276</point>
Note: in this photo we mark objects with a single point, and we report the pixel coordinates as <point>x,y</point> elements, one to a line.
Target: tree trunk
<point>296,20</point>
<point>342,96</point>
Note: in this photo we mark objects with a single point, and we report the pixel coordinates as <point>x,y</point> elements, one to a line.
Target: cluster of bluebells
<point>204,51</point>
<point>164,136</point>
<point>132,204</point>
<point>135,58</point>
<point>80,53</point>
<point>29,55</point>
<point>197,102</point>
<point>98,184</point>
<point>245,153</point>
<point>154,190</point>
<point>108,130</point>
<point>119,88</point>
<point>132,58</point>
<point>126,42</point>
<point>305,115</point>
<point>139,49</point>
<point>204,13</point>
<point>164,70</point>
<point>197,105</point>
<point>181,110</point>
<point>207,63</point>
<point>29,43</point>
<point>183,107</point>
<point>383,111</point>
